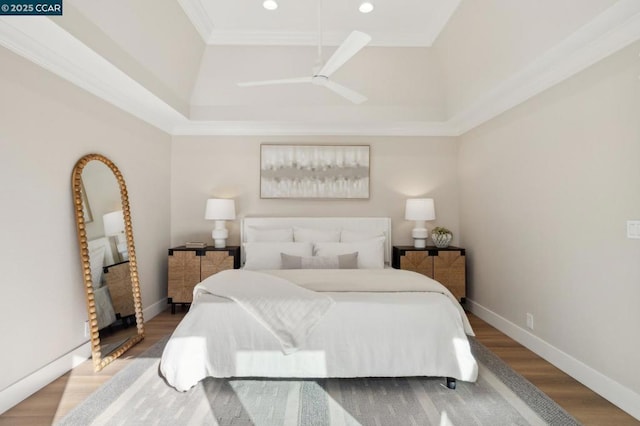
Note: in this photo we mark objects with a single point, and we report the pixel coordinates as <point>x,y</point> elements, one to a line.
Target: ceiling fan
<point>321,73</point>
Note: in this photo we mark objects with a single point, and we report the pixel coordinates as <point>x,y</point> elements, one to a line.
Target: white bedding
<point>388,323</point>
<point>100,255</point>
<point>359,280</point>
<point>105,313</point>
<point>288,311</point>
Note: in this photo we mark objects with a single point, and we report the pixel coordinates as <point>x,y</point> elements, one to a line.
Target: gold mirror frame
<point>99,362</point>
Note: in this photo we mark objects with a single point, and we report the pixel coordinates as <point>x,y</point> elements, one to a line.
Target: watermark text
<point>30,7</point>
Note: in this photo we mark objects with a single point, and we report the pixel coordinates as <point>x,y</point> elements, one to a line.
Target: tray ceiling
<point>295,22</point>
<point>434,67</point>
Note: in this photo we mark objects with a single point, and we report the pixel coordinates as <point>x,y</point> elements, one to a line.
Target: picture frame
<point>314,171</point>
<point>86,208</point>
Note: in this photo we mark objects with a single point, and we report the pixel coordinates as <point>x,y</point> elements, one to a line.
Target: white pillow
<point>261,255</point>
<point>309,235</point>
<point>343,261</point>
<point>255,235</point>
<point>347,236</point>
<point>96,260</point>
<point>370,253</point>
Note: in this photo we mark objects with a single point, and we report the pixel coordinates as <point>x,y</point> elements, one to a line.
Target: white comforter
<point>384,323</point>
<point>287,310</point>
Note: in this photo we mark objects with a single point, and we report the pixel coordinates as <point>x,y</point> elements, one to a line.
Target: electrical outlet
<point>86,328</point>
<point>633,229</point>
<point>529,321</point>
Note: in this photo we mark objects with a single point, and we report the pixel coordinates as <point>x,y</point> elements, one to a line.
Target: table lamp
<point>420,210</point>
<point>219,210</point>
<point>114,227</point>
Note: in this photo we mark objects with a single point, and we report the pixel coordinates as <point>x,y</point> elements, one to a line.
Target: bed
<point>316,298</point>
<point>100,255</point>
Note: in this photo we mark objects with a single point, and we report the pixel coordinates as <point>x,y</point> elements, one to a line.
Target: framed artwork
<point>314,171</point>
<point>86,208</point>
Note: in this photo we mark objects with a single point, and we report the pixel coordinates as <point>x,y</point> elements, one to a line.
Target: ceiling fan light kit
<point>365,7</point>
<point>270,4</point>
<point>320,76</point>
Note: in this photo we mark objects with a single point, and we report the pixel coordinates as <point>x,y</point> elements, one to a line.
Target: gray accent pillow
<point>342,261</point>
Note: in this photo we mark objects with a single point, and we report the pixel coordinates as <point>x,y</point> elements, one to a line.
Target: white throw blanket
<point>288,311</point>
<point>369,280</point>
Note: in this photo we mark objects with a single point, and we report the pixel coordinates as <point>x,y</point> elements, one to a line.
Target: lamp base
<point>122,250</point>
<point>220,234</point>
<point>121,246</point>
<point>420,243</point>
<point>420,236</point>
<point>220,243</point>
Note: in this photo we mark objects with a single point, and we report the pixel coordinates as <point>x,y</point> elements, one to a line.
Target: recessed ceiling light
<point>366,7</point>
<point>270,4</point>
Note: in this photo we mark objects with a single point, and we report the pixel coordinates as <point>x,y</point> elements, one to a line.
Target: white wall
<point>46,125</point>
<point>401,168</point>
<point>488,41</point>
<point>546,190</point>
<point>137,39</point>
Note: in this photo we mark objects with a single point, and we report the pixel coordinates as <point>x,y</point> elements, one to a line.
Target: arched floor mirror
<point>108,258</point>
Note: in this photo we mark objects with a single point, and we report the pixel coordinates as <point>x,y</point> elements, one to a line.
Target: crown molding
<point>273,38</point>
<point>310,38</point>
<point>273,128</point>
<point>46,44</point>
<point>199,17</point>
<point>614,29</point>
<point>43,42</point>
<point>439,20</point>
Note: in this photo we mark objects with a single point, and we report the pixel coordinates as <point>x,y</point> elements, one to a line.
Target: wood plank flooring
<point>584,404</point>
<point>56,399</point>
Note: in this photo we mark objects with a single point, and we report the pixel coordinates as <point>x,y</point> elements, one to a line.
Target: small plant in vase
<point>441,237</point>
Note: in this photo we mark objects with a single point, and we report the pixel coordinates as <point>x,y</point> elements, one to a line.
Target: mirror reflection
<point>113,296</point>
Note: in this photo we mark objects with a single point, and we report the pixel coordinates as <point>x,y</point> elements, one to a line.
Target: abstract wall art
<point>314,171</point>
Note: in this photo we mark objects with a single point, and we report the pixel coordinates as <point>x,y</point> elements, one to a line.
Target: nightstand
<point>118,279</point>
<point>189,266</point>
<point>445,265</point>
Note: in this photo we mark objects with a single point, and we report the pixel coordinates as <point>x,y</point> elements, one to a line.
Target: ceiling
<point>297,22</point>
<point>433,67</point>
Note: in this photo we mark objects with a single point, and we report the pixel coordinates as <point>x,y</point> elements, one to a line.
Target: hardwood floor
<point>56,399</point>
<point>584,404</point>
<point>52,402</point>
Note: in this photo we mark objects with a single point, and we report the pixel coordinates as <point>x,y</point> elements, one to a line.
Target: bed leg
<point>451,383</point>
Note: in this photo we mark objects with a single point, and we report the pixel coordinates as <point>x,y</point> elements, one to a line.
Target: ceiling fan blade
<point>345,92</point>
<point>271,82</point>
<point>349,47</point>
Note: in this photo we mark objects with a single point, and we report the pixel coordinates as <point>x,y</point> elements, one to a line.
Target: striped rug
<point>138,396</point>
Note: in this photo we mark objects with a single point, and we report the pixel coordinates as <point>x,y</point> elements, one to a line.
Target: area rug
<point>138,395</point>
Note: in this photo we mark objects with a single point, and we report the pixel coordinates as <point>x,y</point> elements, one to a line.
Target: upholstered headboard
<point>100,255</point>
<point>108,253</point>
<point>372,225</point>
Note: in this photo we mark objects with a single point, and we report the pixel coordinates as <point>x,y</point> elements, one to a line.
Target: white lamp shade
<point>270,4</point>
<point>220,209</point>
<point>365,7</point>
<point>113,223</point>
<point>420,209</point>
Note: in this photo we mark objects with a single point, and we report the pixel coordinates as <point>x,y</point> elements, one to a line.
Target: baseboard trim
<point>24,388</point>
<point>154,309</point>
<point>609,389</point>
<point>29,385</point>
